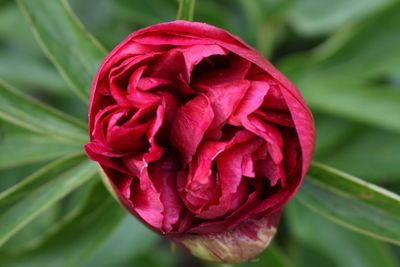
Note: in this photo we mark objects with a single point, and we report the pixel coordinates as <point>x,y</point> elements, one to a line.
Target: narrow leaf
<point>28,113</point>
<point>49,221</point>
<point>19,147</point>
<point>354,156</point>
<point>375,105</point>
<point>23,202</point>
<point>327,238</point>
<point>75,241</point>
<point>351,202</point>
<point>131,239</point>
<point>352,51</point>
<point>27,72</point>
<point>314,17</point>
<point>74,52</point>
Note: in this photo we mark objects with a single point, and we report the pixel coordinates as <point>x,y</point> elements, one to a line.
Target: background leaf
<point>351,202</point>
<point>18,147</point>
<point>75,53</point>
<point>375,105</point>
<point>23,202</point>
<point>49,221</point>
<point>21,72</point>
<point>346,145</point>
<point>353,53</point>
<point>75,240</point>
<point>318,17</point>
<point>128,241</point>
<point>26,112</point>
<point>343,247</point>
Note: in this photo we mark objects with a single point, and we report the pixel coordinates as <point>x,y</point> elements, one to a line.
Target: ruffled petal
<point>274,172</point>
<point>163,174</point>
<point>251,101</point>
<point>191,122</point>
<point>181,60</point>
<point>269,133</point>
<point>146,200</point>
<point>225,88</point>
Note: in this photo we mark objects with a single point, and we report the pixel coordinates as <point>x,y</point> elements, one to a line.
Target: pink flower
<point>200,137</point>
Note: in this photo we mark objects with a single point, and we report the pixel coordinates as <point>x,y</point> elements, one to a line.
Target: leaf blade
<point>352,202</point>
<point>24,111</point>
<point>375,105</point>
<point>75,52</point>
<point>19,147</point>
<point>75,240</point>
<point>360,250</point>
<point>26,200</point>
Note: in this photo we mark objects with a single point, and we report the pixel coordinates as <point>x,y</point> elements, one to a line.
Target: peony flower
<point>201,138</point>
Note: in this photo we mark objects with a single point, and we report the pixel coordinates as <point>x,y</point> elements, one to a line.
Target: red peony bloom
<point>200,137</point>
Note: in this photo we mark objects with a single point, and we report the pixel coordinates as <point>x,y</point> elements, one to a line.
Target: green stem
<point>186,10</point>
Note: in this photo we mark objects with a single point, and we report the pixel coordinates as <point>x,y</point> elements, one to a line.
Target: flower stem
<point>186,10</point>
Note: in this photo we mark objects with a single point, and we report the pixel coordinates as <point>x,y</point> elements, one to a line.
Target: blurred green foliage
<point>344,56</point>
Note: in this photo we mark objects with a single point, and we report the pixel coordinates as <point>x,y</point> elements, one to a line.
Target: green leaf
<point>129,240</point>
<point>353,53</point>
<point>13,175</point>
<point>23,202</point>
<point>22,63</point>
<point>143,13</point>
<point>75,53</point>
<point>21,147</point>
<point>353,155</point>
<point>329,138</point>
<point>28,113</point>
<point>349,75</point>
<point>349,149</point>
<point>33,232</point>
<point>313,17</point>
<point>375,105</point>
<point>342,246</point>
<point>75,240</point>
<point>164,258</point>
<point>37,231</point>
<point>351,202</point>
<point>15,34</point>
<point>26,72</point>
<point>306,256</point>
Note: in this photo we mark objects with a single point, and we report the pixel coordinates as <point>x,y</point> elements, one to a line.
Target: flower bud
<point>200,137</point>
